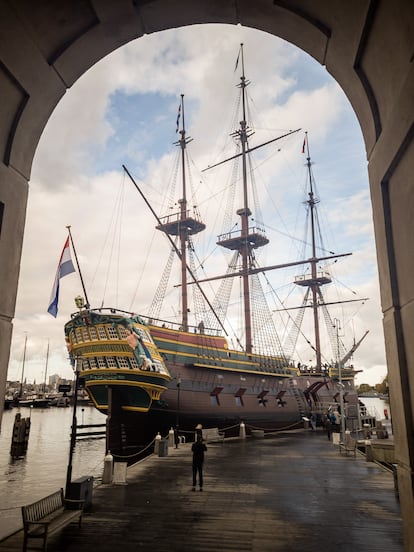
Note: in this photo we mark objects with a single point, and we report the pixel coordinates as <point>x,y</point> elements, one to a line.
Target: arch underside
<point>365,45</point>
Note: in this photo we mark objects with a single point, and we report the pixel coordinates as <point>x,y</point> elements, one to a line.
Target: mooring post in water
<point>20,436</point>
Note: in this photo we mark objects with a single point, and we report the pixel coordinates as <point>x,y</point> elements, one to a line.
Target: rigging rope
<point>159,296</point>
<point>292,336</point>
<point>266,338</point>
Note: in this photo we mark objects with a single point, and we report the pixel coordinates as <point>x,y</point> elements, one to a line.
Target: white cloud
<point>69,185</point>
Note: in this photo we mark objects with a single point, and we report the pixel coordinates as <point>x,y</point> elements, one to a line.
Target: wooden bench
<point>349,446</point>
<point>212,435</point>
<point>48,515</point>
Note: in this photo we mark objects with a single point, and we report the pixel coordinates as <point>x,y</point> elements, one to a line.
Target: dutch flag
<point>65,267</point>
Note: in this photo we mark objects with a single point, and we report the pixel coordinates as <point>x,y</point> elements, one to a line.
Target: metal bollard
<point>108,467</point>
<point>242,432</point>
<point>163,448</point>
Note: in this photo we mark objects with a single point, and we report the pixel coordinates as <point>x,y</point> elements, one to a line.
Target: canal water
<point>377,407</point>
<point>44,467</point>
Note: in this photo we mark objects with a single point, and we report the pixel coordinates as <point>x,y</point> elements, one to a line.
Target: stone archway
<point>366,45</point>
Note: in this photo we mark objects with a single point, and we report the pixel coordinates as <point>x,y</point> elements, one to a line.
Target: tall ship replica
<point>149,374</point>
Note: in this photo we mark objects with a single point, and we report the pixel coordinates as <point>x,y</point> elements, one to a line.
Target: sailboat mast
<point>47,361</point>
<point>183,230</point>
<point>24,361</point>
<point>314,286</point>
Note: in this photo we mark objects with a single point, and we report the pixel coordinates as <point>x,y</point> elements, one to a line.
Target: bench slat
<point>46,516</point>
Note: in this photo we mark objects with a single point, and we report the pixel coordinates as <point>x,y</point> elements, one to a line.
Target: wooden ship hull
<point>185,379</point>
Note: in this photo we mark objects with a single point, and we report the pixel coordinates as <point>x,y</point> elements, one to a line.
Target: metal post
<point>341,385</point>
<point>108,422</point>
<point>24,360</point>
<point>177,418</point>
<point>73,434</point>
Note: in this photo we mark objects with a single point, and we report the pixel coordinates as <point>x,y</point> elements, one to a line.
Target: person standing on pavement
<point>198,449</point>
<point>198,431</point>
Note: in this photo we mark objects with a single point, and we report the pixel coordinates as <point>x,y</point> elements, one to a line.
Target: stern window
<point>112,333</point>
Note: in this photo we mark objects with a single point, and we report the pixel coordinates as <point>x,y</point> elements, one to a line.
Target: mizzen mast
<point>181,224</point>
<point>315,280</point>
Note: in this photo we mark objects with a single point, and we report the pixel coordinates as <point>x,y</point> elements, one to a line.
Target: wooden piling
<point>20,436</point>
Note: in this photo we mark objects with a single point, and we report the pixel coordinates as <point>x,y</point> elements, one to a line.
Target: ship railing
<point>319,275</point>
<point>346,372</point>
<point>304,369</point>
<point>156,321</point>
<point>369,413</point>
<point>177,217</point>
<point>323,407</point>
<point>235,233</point>
<point>108,310</point>
<point>199,328</point>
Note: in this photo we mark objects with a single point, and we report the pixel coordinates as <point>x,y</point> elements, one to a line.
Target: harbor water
<point>43,468</point>
<point>377,407</point>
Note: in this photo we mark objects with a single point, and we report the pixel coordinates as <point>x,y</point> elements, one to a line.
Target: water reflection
<point>43,468</point>
<point>376,407</point>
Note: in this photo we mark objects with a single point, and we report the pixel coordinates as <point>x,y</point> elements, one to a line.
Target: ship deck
<point>292,491</point>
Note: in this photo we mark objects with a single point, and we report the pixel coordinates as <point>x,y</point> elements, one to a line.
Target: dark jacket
<point>198,449</point>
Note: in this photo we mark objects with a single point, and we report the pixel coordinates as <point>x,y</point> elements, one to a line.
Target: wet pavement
<point>292,492</point>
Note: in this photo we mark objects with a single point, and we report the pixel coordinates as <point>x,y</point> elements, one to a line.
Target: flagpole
<point>87,305</point>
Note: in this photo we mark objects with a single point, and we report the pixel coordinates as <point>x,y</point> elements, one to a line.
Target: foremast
<point>181,224</point>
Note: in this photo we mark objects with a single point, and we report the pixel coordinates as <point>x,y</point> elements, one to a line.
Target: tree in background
<point>381,388</point>
<point>365,388</point>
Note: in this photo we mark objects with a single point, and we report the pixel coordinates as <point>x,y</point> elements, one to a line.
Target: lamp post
<point>24,360</point>
<point>341,385</point>
<point>177,418</point>
<point>73,432</point>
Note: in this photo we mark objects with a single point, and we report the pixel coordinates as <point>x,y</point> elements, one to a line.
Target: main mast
<point>249,238</point>
<point>181,224</point>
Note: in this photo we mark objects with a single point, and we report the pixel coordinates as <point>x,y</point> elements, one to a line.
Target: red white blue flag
<point>65,267</point>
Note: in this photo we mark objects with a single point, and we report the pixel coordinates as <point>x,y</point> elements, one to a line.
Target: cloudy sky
<point>123,111</point>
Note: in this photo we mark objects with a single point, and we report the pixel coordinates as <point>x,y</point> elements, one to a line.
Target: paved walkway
<point>292,492</point>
